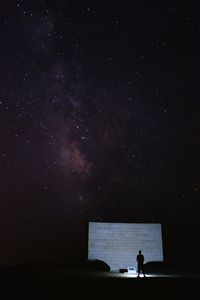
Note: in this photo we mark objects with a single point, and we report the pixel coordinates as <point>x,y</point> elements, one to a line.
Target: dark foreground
<point>66,283</point>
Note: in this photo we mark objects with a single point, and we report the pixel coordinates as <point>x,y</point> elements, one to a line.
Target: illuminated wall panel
<point>118,243</point>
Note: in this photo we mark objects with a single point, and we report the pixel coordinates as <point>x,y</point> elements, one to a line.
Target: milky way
<point>98,120</point>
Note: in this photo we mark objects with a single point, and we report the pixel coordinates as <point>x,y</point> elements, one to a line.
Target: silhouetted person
<point>140,263</point>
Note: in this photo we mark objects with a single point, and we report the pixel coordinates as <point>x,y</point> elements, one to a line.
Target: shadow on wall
<point>96,264</point>
<point>157,267</point>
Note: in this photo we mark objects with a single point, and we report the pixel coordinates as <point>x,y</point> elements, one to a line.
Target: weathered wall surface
<point>118,243</point>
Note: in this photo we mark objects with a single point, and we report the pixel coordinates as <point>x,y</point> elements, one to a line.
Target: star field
<point>99,120</point>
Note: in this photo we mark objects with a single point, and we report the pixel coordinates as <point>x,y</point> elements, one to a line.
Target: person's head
<point>140,252</point>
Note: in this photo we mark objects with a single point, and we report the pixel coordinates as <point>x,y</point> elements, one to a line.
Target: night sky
<point>99,121</point>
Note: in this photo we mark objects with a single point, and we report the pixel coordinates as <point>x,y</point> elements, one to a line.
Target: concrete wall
<point>118,243</point>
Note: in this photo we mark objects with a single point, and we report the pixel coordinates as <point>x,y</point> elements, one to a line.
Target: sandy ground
<point>73,282</point>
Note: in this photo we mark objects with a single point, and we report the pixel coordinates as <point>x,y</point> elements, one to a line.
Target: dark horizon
<point>177,248</point>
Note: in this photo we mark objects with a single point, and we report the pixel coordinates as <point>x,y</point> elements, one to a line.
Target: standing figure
<point>140,263</point>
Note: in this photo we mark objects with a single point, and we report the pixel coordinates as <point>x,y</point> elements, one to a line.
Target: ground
<point>59,282</point>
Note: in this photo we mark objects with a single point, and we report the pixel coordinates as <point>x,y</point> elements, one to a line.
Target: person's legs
<point>143,271</point>
<point>139,270</point>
